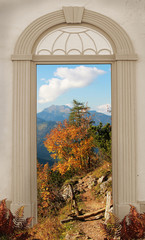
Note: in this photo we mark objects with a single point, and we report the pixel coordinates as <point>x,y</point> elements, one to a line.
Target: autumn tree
<point>49,199</point>
<point>44,191</point>
<point>71,144</point>
<point>74,142</point>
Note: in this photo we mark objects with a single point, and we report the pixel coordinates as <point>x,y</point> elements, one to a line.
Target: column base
<point>142,206</point>
<point>121,210</point>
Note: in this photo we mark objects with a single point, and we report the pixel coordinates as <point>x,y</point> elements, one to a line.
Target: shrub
<point>11,225</point>
<point>48,185</point>
<point>131,227</point>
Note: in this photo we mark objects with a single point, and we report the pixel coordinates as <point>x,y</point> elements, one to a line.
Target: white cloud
<point>66,79</point>
<point>104,108</point>
<point>42,79</point>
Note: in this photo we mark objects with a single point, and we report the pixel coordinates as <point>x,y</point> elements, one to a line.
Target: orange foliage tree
<point>45,192</point>
<point>71,144</point>
<point>48,196</point>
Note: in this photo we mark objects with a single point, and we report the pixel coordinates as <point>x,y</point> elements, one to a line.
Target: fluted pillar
<point>123,136</point>
<point>24,191</point>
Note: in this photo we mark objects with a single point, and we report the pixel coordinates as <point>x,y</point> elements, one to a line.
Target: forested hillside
<point>43,128</point>
<point>47,120</point>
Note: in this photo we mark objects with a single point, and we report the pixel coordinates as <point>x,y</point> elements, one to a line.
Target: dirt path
<point>91,227</point>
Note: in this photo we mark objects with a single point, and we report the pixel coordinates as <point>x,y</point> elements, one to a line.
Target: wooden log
<point>83,217</point>
<point>68,220</point>
<point>91,214</point>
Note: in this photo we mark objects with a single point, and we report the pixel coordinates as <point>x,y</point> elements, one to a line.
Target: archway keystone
<point>73,14</point>
<point>123,61</point>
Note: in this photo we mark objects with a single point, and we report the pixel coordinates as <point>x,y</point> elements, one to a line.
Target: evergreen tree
<point>102,138</point>
<point>78,112</point>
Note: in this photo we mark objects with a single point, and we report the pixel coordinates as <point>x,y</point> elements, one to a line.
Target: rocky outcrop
<point>66,192</point>
<point>86,183</point>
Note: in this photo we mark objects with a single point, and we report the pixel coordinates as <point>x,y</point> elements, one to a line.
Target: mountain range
<point>47,120</point>
<point>59,113</point>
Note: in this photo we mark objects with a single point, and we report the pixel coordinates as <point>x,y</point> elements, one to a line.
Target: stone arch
<point>27,39</point>
<point>24,106</point>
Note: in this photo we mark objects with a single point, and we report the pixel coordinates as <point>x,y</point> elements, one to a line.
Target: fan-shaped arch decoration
<point>74,40</point>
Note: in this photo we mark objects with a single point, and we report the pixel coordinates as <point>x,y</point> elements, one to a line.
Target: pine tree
<point>78,112</point>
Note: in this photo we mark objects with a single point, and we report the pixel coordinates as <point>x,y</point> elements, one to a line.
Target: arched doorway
<point>26,57</point>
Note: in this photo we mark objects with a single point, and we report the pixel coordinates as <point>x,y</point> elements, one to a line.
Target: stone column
<point>123,137</point>
<point>24,192</point>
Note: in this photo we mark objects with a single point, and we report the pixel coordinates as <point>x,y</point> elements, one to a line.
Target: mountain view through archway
<point>74,168</point>
<point>58,85</point>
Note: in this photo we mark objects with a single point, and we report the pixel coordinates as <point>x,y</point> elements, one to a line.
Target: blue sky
<point>60,84</point>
